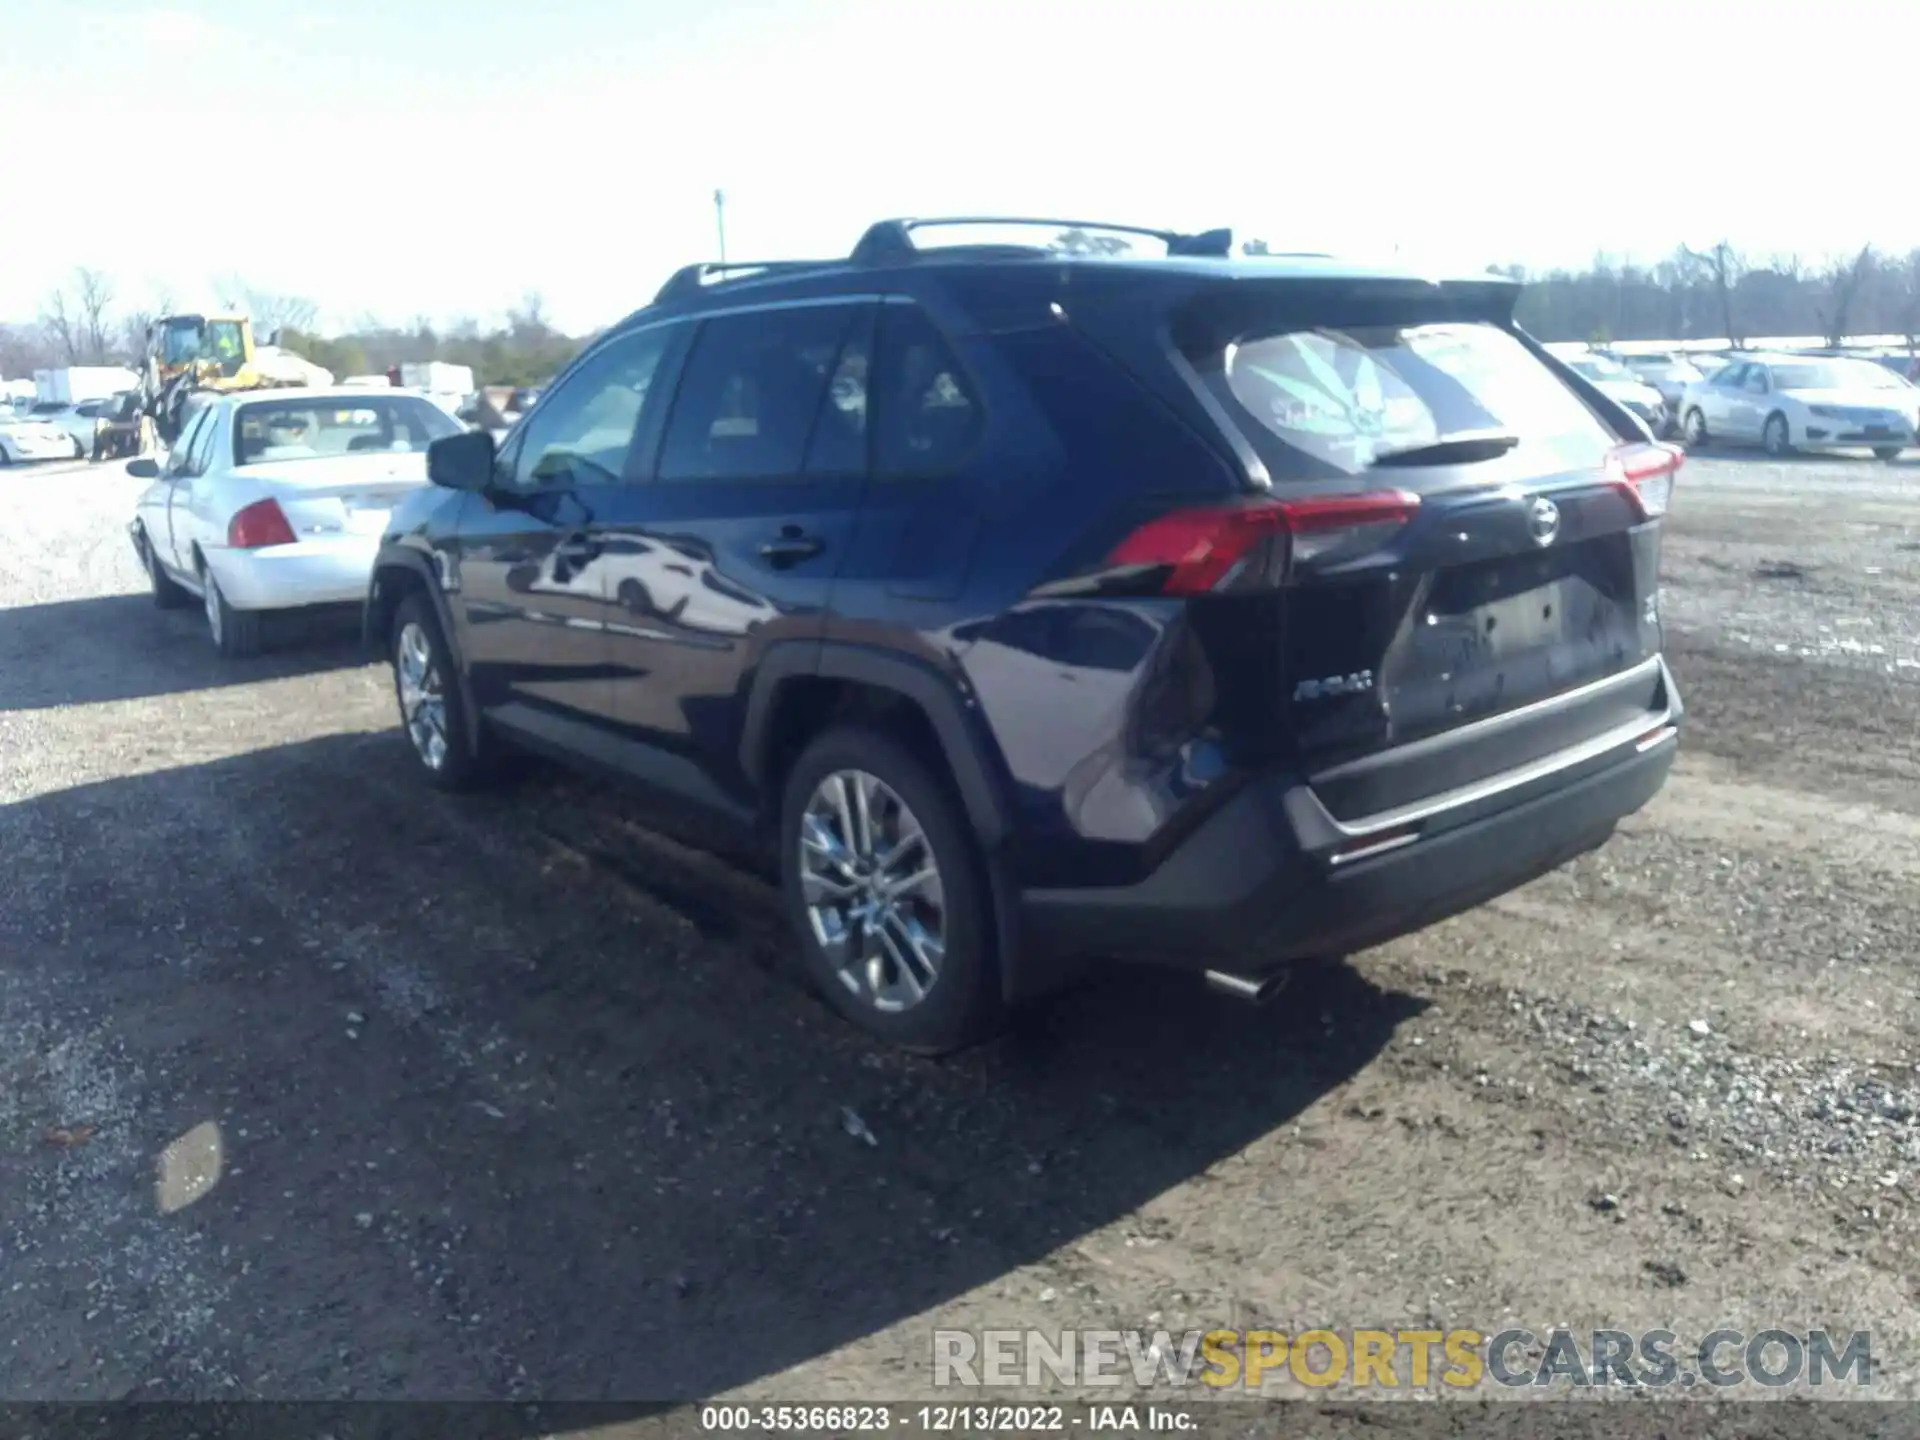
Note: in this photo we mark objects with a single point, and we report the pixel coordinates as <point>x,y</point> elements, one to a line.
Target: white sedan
<point>29,439</point>
<point>276,500</point>
<point>1794,402</point>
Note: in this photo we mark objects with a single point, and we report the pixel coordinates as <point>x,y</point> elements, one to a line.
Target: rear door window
<point>1327,402</point>
<point>751,393</point>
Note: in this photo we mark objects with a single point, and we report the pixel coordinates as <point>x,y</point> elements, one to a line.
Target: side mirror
<point>462,462</point>
<point>144,468</point>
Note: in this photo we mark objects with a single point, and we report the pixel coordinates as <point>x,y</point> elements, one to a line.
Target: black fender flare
<point>953,716</point>
<point>947,708</point>
<point>418,564</point>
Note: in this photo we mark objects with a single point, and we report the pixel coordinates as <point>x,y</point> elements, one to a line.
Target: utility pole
<point>720,220</point>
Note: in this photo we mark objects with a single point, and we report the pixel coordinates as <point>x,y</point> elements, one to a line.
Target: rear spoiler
<point>1490,297</point>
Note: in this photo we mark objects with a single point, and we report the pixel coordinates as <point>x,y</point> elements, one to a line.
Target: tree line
<point>1718,292</point>
<point>1725,293</point>
<point>81,323</point>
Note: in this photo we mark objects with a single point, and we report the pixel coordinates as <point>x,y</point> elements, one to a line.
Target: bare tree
<point>1726,267</point>
<point>62,329</point>
<point>529,318</point>
<point>1844,281</point>
<point>94,294</point>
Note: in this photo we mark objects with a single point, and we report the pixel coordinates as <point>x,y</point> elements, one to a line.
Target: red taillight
<point>1646,472</point>
<point>1202,548</point>
<point>259,524</point>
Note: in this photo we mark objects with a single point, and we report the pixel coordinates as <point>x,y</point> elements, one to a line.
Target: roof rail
<point>892,240</point>
<point>691,279</point>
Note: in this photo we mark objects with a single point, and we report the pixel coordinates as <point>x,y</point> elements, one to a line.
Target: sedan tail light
<point>258,525</point>
<point>1201,549</point>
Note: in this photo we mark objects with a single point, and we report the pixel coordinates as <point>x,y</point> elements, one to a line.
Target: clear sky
<point>417,157</point>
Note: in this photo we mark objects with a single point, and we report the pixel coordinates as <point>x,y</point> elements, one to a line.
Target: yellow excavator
<point>186,353</point>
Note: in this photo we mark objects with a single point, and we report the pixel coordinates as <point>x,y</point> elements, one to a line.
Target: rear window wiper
<point>1462,449</point>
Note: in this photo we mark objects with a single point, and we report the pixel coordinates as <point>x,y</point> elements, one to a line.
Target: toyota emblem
<point>1543,521</point>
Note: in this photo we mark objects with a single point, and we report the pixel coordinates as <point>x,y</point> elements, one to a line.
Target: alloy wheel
<point>423,700</point>
<point>872,890</point>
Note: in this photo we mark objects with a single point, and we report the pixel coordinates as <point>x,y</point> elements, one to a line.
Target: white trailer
<point>448,386</point>
<point>72,384</point>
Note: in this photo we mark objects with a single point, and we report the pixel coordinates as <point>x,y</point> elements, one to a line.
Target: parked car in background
<point>76,421</point>
<point>25,438</point>
<point>1349,597</point>
<point>1792,402</point>
<point>1669,372</point>
<point>1623,387</point>
<point>276,500</point>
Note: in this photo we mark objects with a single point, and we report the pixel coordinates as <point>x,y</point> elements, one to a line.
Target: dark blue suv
<point>1060,597</point>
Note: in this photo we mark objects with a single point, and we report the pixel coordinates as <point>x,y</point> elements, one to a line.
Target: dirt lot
<point>510,1097</point>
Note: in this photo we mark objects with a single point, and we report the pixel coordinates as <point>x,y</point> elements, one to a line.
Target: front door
<point>530,586</point>
<point>732,544</point>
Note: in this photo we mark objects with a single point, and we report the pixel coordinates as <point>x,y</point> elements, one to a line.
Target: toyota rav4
<point>1036,601</point>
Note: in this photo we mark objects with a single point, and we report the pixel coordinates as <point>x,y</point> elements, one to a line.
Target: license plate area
<point>1507,632</point>
<point>367,519</point>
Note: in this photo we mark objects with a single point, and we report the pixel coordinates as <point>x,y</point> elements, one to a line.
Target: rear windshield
<point>1328,402</point>
<point>317,427</point>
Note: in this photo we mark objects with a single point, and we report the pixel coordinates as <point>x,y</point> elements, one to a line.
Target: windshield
<point>1336,399</point>
<point>224,342</point>
<point>324,427</point>
<point>1835,375</point>
<point>180,341</point>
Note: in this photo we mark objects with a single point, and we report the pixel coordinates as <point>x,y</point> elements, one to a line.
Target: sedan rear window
<point>1332,401</point>
<point>319,427</point>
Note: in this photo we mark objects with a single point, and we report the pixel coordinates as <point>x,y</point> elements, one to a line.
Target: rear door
<point>1720,399</point>
<point>733,542</point>
<point>1465,542</point>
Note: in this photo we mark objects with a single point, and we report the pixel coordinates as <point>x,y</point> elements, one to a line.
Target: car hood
<point>1634,390</point>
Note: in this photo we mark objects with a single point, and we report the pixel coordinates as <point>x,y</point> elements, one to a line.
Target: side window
<point>752,390</point>
<point>200,452</point>
<point>926,416</point>
<point>584,431</point>
<point>1731,377</point>
<point>183,447</point>
<point>839,444</point>
<point>1756,380</point>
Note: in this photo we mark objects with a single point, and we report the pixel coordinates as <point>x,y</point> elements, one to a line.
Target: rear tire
<point>167,595</point>
<point>1887,452</point>
<point>236,634</point>
<point>451,752</point>
<point>893,912</point>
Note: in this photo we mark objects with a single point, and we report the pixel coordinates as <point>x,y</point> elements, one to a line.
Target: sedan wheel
<point>1776,438</point>
<point>872,891</point>
<point>423,699</point>
<point>236,633</point>
<point>1694,429</point>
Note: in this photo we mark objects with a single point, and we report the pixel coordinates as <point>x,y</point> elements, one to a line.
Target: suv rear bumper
<point>1273,877</point>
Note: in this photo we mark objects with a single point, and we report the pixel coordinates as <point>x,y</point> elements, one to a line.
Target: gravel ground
<point>314,1084</point>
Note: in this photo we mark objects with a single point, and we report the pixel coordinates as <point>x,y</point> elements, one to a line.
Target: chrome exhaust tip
<point>1254,989</point>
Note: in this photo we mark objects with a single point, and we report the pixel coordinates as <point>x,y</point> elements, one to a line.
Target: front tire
<point>1775,438</point>
<point>1693,429</point>
<point>433,709</point>
<point>236,634</point>
<point>886,890</point>
<point>1888,453</point>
